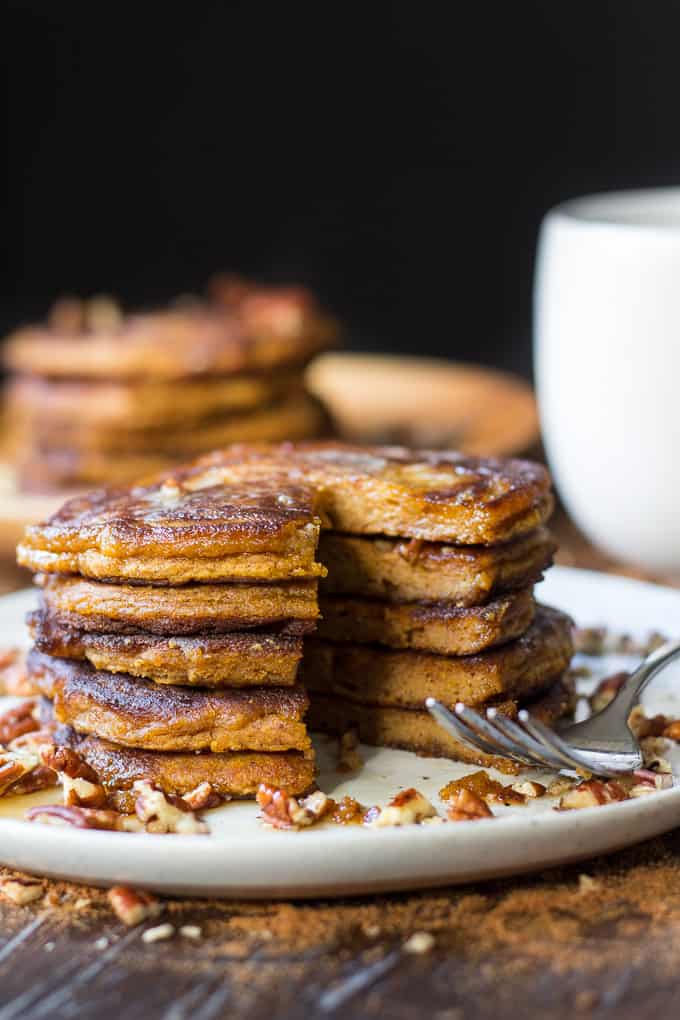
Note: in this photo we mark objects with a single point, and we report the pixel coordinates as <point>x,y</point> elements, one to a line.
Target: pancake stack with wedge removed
<point>169,633</point>
<point>96,397</point>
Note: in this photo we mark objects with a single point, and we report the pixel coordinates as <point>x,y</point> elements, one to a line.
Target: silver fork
<point>603,744</point>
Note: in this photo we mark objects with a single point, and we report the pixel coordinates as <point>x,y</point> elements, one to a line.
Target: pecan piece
<point>82,818</point>
<point>22,890</point>
<point>40,778</point>
<point>14,765</point>
<point>203,797</point>
<point>592,793</point>
<point>408,807</point>
<point>281,811</point>
<point>17,721</point>
<point>132,906</point>
<point>162,815</point>
<point>466,806</point>
<point>79,780</point>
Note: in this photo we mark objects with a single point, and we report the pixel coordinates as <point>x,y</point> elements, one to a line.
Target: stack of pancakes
<point>100,398</point>
<point>172,613</point>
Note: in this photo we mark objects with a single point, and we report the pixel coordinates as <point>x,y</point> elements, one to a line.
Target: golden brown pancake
<point>409,571</point>
<point>378,676</point>
<point>237,659</point>
<point>297,416</point>
<point>167,534</point>
<point>231,774</point>
<point>440,627</point>
<point>287,606</point>
<point>414,730</point>
<point>439,496</point>
<point>261,329</point>
<point>138,713</point>
<point>252,499</point>
<point>139,404</point>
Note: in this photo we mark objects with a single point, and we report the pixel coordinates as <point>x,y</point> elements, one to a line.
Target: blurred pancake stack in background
<point>99,397</point>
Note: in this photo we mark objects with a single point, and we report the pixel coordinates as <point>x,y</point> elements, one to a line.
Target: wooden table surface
<point>600,939</point>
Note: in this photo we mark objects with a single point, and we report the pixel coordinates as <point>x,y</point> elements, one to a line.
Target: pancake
<point>235,774</point>
<point>247,500</point>
<point>290,606</point>
<point>167,534</point>
<point>138,713</point>
<point>413,730</point>
<point>439,496</point>
<point>297,416</point>
<point>138,404</point>
<point>438,627</point>
<point>404,679</point>
<point>238,659</point>
<point>409,571</point>
<point>265,328</point>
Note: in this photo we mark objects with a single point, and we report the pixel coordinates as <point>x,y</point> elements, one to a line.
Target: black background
<point>396,157</point>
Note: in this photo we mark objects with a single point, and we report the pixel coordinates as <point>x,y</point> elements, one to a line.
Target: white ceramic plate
<point>242,859</point>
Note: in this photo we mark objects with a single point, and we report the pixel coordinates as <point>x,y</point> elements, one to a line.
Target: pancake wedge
<point>237,659</point>
<point>138,713</point>
<point>287,606</point>
<point>409,571</point>
<point>431,627</point>
<point>371,675</point>
<point>416,730</point>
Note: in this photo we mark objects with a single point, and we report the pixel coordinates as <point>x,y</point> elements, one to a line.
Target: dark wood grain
<point>555,945</point>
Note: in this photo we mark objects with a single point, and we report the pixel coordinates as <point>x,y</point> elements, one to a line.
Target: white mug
<point>607,363</point>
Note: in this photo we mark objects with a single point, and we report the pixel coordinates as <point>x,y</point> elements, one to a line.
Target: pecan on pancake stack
<point>96,397</point>
<point>172,614</point>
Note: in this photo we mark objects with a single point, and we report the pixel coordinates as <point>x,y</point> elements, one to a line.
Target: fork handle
<point>629,694</point>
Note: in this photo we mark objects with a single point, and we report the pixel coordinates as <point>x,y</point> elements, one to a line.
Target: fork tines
<point>526,740</point>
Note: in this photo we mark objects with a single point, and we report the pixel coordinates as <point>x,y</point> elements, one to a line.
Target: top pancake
<point>251,329</point>
<point>190,524</point>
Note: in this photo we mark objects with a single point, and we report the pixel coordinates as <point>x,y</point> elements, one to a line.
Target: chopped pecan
<point>281,811</point>
<point>79,780</point>
<point>466,806</point>
<point>132,906</point>
<point>22,890</point>
<point>17,721</point>
<point>83,818</point>
<point>644,726</point>
<point>65,760</point>
<point>560,785</point>
<point>408,807</point>
<point>655,780</point>
<point>14,765</point>
<point>203,797</point>
<point>349,759</point>
<point>161,815</point>
<point>32,741</point>
<point>40,778</point>
<point>529,789</point>
<point>592,793</point>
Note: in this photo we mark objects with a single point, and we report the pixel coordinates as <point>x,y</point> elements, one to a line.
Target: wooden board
<point>426,402</point>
